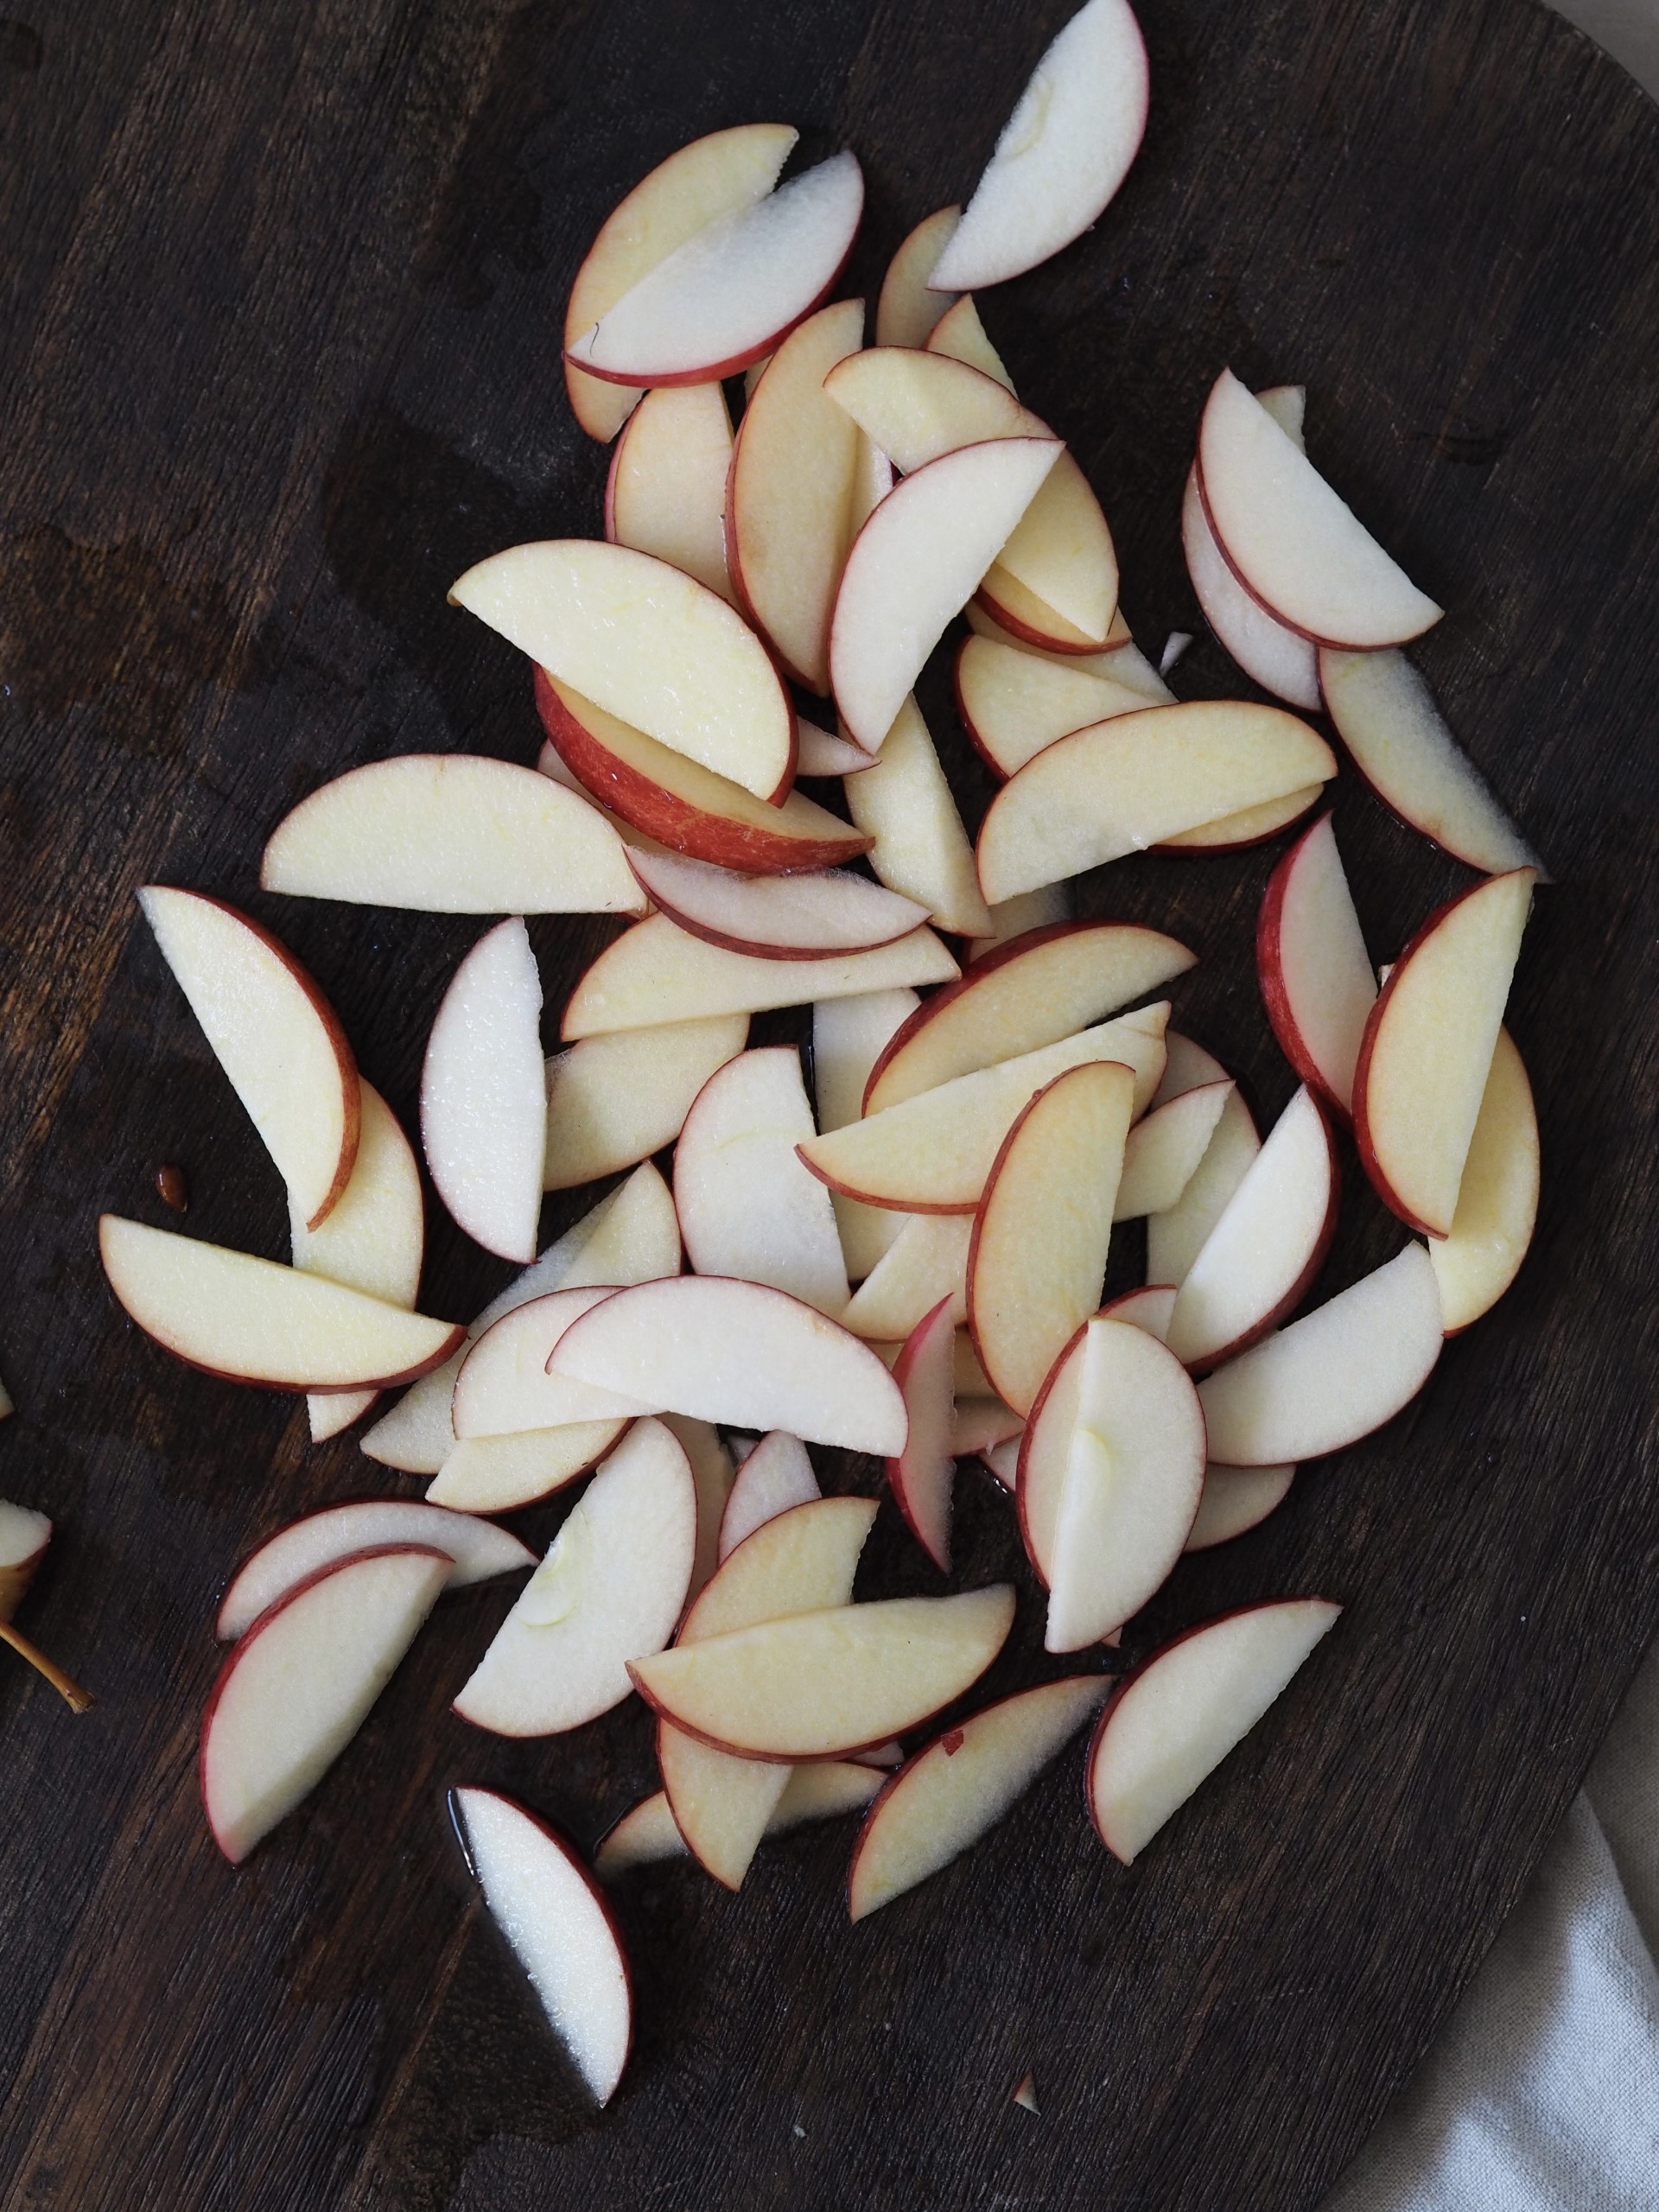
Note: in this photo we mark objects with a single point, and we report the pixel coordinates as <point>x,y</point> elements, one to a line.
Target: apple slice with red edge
<point>504,1387</point>
<point>918,846</point>
<point>1317,981</point>
<point>477,1551</point>
<point>613,1100</point>
<point>1012,918</point>
<point>955,1788</point>
<point>300,1682</point>
<point>818,1791</point>
<point>926,1262</point>
<point>922,1475</point>
<point>776,1475</point>
<point>1498,1199</point>
<point>1012,704</point>
<point>1164,1151</point>
<point>25,1535</point>
<point>665,493</point>
<point>847,1035</point>
<point>1175,1238</point>
<point>1018,616</point>
<point>961,335</point>
<point>1119,658</point>
<point>712,1475</point>
<point>1252,825</point>
<point>803,917</point>
<point>499,1474</point>
<point>906,311</point>
<point>484,1095</point>
<point>1237,1500</point>
<point>554,1917</point>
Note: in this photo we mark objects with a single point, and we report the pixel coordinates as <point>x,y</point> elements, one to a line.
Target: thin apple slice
<point>968,1376</point>
<point>1291,542</point>
<point>1044,1226</point>
<point>921,1477</point>
<point>1148,1308</point>
<point>980,1424</point>
<point>1176,1237</point>
<point>734,289</point>
<point>504,1387</point>
<point>822,753</point>
<point>1032,909</point>
<point>484,1095</point>
<point>609,1592</point>
<point>915,563</point>
<point>1316,977</point>
<point>818,1791</point>
<point>665,494</point>
<point>1253,825</point>
<point>918,846</point>
<point>1186,1065</point>
<point>747,1207</point>
<point>1400,741</point>
<point>299,1684</point>
<point>789,499</point>
<point>955,1788</point>
<point>658,972</point>
<point>847,1036</point>
<point>477,1551</point>
<point>776,1475</point>
<point>1137,779</point>
<point>740,1354</point>
<point>1012,704</point>
<point>648,644</point>
<point>906,311</point>
<point>1164,1151</point>
<point>961,335</point>
<point>659,793</point>
<point>250,1320</point>
<point>499,1474</point>
<point>1184,1709</point>
<point>712,1474</point>
<point>1498,1199</point>
<point>1062,154</point>
<point>450,833</point>
<point>274,1035</point>
<point>711,178</point>
<point>1333,1377</point>
<point>806,917</point>
<point>820,1685</point>
<point>1018,616</point>
<point>1267,1245</point>
<point>646,1833</point>
<point>932,1154</point>
<point>1044,1455</point>
<point>1003,1461</point>
<point>926,1262</point>
<point>1427,1049</point>
<point>550,1909</point>
<point>1236,1500</point>
<point>614,1101</point>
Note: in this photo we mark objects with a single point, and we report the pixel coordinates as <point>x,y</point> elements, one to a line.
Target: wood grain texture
<point>280,293</point>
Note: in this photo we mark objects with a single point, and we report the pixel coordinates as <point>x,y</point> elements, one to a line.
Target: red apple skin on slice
<point>1242,832</point>
<point>1315,974</point>
<point>1237,1500</point>
<point>665,489</point>
<point>477,1550</point>
<point>812,916</point>
<point>922,1475</point>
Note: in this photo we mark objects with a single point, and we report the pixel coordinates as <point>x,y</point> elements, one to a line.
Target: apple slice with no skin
<point>504,1387</point>
<point>665,494</point>
<point>1175,1237</point>
<point>648,644</point>
<point>847,1036</point>
<point>822,753</point>
<point>1237,1500</point>
<point>776,1475</point>
<point>980,1424</point>
<point>1032,909</point>
<point>921,1477</point>
<point>1291,540</point>
<point>918,846</point>
<point>299,1684</point>
<point>477,1550</point>
<point>804,917</point>
<point>906,311</point>
<point>1163,1153</point>
<point>955,1788</point>
<point>926,1262</point>
<point>24,1536</point>
<point>817,1791</point>
<point>274,1035</point>
<point>1498,1199</point>
<point>550,1909</point>
<point>1184,1709</point>
<point>1427,1049</point>
<point>747,1207</point>
<point>1317,981</point>
<point>699,184</point>
<point>1333,1377</point>
<point>734,289</point>
<point>960,336</point>
<point>484,1095</point>
<point>614,1101</point>
<point>1062,154</point>
<point>738,1353</point>
<point>1012,704</point>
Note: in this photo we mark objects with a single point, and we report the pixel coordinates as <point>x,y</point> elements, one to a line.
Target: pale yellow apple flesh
<point>1498,1199</point>
<point>906,311</point>
<point>960,335</point>
<point>927,1260</point>
<point>614,1100</point>
<point>24,1535</point>
<point>920,849</point>
<point>1013,703</point>
<point>849,1035</point>
<point>818,1791</point>
<point>921,1477</point>
<point>1236,1499</point>
<point>1175,1238</point>
<point>1162,1153</point>
<point>665,494</point>
<point>498,1474</point>
<point>504,1387</point>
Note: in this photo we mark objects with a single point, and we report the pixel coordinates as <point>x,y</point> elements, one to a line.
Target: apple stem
<point>72,1695</point>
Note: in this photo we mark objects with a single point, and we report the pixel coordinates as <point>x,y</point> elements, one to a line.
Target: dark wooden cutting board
<point>278,359</point>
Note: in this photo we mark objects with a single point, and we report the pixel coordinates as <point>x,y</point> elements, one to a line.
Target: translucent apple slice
<point>477,1551</point>
<point>906,311</point>
<point>665,494</point>
<point>1180,1714</point>
<point>926,1262</point>
<point>956,1789</point>
<point>1498,1199</point>
<point>1237,1500</point>
<point>922,1476</point>
<point>551,1911</point>
<point>919,848</point>
<point>484,1095</point>
<point>804,917</point>
<point>776,1475</point>
<point>847,1035</point>
<point>274,1035</point>
<point>1163,1153</point>
<point>1012,704</point>
<point>504,1387</point>
<point>613,1100</point>
<point>1316,977</point>
<point>961,335</point>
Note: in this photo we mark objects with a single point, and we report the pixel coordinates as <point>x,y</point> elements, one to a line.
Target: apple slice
<point>1062,154</point>
<point>1119,658</point>
<point>747,1207</point>
<point>499,1474</point>
<point>24,1537</point>
<point>820,752</point>
<point>776,1475</point>
<point>960,336</point>
<point>477,1551</point>
<point>613,1100</point>
<point>926,1262</point>
<point>1316,977</point>
<point>274,1035</point>
<point>550,1909</point>
<point>789,499</point>
<point>1427,1049</point>
<point>740,1354</point>
<point>1236,1500</point>
<point>450,833</point>
<point>907,311</point>
<point>504,1387</point>
<point>665,494</point>
<point>955,1788</point>
<point>1176,1237</point>
<point>484,1095</point>
<point>299,1684</point>
<point>1187,1065</point>
<point>1020,616</point>
<point>610,1591</point>
<point>1184,1709</point>
<point>932,1154</point>
<point>734,289</point>
<point>712,1476</point>
<point>1012,704</point>
<point>711,178</point>
<point>648,644</point>
<point>1164,1151</point>
<point>659,793</point>
<point>918,846</point>
<point>1137,779</point>
<point>1398,738</point>
<point>1253,825</point>
<point>1291,541</point>
<point>814,1792</point>
<point>646,1833</point>
<point>920,1476</point>
<point>916,563</point>
<point>1497,1199</point>
<point>847,1035</point>
<point>820,1685</point>
<point>979,1425</point>
<point>1044,1455</point>
<point>1044,1225</point>
<point>1032,909</point>
<point>808,917</point>
<point>1333,1377</point>
<point>1267,1245</point>
<point>658,972</point>
<point>1148,1308</point>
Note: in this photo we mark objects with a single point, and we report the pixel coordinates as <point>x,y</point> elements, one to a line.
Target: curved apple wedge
<point>1163,1153</point>
<point>818,1791</point>
<point>799,916</point>
<point>926,1262</point>
<point>504,1389</point>
<point>907,311</point>
<point>821,1685</point>
<point>1333,1376</point>
<point>776,1475</point>
<point>919,847</point>
<point>552,1912</point>
<point>1237,1500</point>
<point>1012,704</point>
<point>499,1474</point>
<point>665,493</point>
<point>1176,1237</point>
<point>956,1789</point>
<point>610,1590</point>
<point>1279,660</point>
<point>848,1037</point>
<point>477,1550</point>
<point>960,336</point>
<point>613,1100</point>
<point>1180,1713</point>
<point>1318,984</point>
<point>1497,1199</point>
<point>299,1685</point>
<point>484,1095</point>
<point>922,1476</point>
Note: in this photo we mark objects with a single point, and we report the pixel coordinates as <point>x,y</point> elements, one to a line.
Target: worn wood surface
<point>280,290</point>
